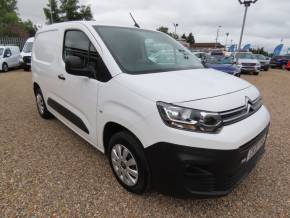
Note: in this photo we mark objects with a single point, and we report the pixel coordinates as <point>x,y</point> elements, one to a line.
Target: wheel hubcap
<point>40,103</point>
<point>5,68</point>
<point>124,165</point>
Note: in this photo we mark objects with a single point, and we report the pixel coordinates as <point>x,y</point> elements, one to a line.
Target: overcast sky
<point>268,21</point>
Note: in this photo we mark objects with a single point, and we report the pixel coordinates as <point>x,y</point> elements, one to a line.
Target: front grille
<point>27,59</point>
<point>235,115</point>
<point>249,64</point>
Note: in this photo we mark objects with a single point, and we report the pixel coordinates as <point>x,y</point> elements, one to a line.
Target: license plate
<point>256,147</point>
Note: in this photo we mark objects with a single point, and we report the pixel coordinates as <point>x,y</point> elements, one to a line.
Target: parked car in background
<point>247,62</point>
<point>279,61</point>
<point>217,52</point>
<point>201,55</point>
<point>224,64</point>
<point>265,63</point>
<point>25,59</point>
<point>9,57</point>
<point>172,126</point>
<point>288,66</point>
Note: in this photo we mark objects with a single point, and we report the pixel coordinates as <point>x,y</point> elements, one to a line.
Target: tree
<point>10,24</point>
<point>166,30</point>
<point>52,12</point>
<point>8,5</point>
<point>86,13</point>
<point>190,39</point>
<point>163,29</point>
<point>68,10</point>
<point>259,51</point>
<point>184,36</point>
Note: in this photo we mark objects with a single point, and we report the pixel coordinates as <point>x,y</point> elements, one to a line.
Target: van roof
<point>85,23</point>
<point>31,39</point>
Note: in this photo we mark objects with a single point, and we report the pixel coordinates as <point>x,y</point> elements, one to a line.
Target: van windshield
<point>27,47</point>
<point>142,51</point>
<point>1,51</point>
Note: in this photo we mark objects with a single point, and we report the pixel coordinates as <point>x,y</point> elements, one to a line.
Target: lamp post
<point>51,18</point>
<point>246,3</point>
<point>175,26</point>
<point>217,35</point>
<point>227,36</point>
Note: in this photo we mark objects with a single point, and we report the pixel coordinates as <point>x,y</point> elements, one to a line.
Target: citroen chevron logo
<point>248,104</point>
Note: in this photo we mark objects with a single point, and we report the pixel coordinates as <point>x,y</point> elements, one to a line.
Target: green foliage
<point>8,5</point>
<point>259,51</point>
<point>10,24</point>
<point>67,10</point>
<point>166,30</point>
<point>184,36</point>
<point>190,39</point>
<point>163,29</point>
<point>52,6</point>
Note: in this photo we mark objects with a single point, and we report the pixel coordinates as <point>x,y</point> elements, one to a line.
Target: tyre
<point>128,162</point>
<point>5,67</point>
<point>256,73</point>
<point>41,106</point>
<point>283,67</point>
<point>26,68</point>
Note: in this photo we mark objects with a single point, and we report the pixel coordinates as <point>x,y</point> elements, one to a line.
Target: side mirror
<point>74,66</point>
<point>7,55</point>
<point>203,62</point>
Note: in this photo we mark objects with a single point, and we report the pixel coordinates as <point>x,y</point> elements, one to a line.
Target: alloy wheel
<point>40,103</point>
<point>124,165</point>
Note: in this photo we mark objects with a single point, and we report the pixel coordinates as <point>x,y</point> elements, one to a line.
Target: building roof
<point>207,45</point>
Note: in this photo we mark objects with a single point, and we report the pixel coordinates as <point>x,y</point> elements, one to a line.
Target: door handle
<point>61,76</point>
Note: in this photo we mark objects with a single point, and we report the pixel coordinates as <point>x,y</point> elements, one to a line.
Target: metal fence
<point>13,41</point>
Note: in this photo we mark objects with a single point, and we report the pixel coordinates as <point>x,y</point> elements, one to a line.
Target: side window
<point>76,43</point>
<point>7,52</point>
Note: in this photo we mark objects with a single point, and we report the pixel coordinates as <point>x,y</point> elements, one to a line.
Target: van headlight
<point>189,119</point>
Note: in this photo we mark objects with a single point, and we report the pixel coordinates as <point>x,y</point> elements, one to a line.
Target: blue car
<point>224,64</point>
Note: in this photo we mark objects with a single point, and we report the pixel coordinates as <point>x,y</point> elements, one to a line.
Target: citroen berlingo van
<point>165,122</point>
<point>9,57</point>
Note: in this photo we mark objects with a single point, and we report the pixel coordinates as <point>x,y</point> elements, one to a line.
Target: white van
<point>25,59</point>
<point>146,102</point>
<point>9,57</point>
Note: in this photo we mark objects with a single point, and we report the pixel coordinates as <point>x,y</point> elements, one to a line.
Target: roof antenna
<point>135,23</point>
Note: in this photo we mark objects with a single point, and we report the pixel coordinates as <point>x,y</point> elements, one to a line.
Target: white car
<point>248,63</point>
<point>9,57</point>
<point>172,126</point>
<point>25,59</point>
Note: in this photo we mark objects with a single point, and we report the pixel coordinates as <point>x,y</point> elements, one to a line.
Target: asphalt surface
<point>46,170</point>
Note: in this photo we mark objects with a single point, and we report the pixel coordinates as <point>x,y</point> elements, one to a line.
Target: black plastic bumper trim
<point>183,171</point>
<point>68,115</point>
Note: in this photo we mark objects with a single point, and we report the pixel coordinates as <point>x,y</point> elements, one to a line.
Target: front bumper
<point>250,69</point>
<point>183,171</point>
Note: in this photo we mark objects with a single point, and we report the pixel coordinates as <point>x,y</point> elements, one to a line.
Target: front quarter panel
<point>124,107</point>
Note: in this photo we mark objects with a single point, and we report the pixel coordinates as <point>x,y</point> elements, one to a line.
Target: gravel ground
<point>47,170</point>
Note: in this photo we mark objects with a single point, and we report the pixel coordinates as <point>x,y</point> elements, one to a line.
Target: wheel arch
<point>35,87</point>
<point>110,129</point>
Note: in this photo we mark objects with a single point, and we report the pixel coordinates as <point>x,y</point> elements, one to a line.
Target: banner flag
<point>278,50</point>
<point>246,47</point>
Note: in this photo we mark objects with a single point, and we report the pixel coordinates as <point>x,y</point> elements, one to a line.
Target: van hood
<point>180,86</point>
